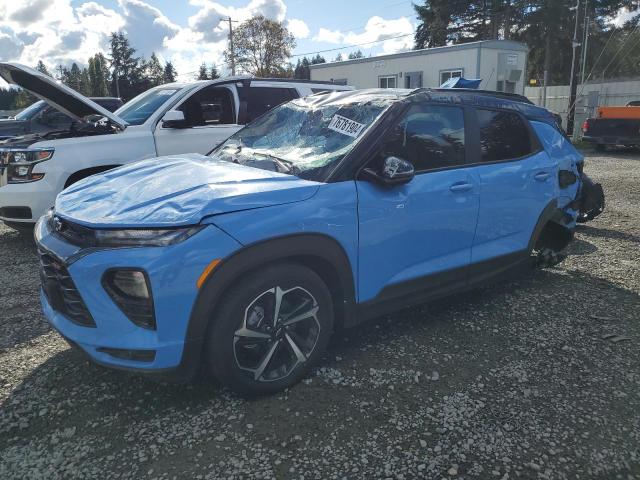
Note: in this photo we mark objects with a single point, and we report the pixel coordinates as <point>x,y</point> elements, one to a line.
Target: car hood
<point>60,96</point>
<point>176,191</point>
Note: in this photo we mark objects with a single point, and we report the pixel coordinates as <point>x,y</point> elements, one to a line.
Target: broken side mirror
<point>394,171</point>
<point>174,119</point>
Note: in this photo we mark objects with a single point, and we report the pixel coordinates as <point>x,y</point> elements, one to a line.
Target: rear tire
<point>271,328</point>
<point>24,229</point>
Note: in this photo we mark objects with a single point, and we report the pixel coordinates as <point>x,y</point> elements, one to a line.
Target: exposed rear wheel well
<point>553,236</point>
<point>87,172</point>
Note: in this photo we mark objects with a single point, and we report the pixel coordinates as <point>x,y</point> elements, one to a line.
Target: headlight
<point>144,237</point>
<point>20,163</point>
<point>112,238</point>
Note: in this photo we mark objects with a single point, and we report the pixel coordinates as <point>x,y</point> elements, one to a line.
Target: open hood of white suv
<point>65,99</point>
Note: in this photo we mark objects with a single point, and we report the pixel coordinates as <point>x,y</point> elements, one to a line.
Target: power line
<point>351,46</point>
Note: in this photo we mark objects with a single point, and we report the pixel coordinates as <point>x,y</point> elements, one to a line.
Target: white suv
<point>166,120</point>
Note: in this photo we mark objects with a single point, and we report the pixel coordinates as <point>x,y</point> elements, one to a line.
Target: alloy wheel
<point>278,333</point>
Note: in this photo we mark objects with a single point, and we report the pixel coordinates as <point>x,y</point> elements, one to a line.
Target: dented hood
<point>60,96</point>
<point>176,191</point>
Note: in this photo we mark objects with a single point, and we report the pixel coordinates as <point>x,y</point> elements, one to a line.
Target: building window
<point>447,74</point>
<point>388,81</point>
<point>339,81</point>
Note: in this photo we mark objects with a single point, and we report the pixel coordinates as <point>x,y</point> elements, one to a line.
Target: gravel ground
<point>537,378</point>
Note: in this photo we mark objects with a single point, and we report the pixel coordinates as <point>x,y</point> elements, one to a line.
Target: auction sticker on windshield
<point>345,126</point>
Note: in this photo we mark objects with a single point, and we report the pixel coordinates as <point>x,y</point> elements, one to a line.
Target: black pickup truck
<point>608,131</point>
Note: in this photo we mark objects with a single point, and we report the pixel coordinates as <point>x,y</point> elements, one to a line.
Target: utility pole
<point>232,52</point>
<point>584,48</point>
<point>571,111</point>
<point>547,64</point>
<point>115,75</point>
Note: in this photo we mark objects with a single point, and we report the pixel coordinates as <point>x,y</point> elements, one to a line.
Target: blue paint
<point>441,220</point>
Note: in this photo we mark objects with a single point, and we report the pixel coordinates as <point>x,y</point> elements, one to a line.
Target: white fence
<point>589,96</point>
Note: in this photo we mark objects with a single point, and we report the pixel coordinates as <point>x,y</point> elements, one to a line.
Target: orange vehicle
<point>614,126</point>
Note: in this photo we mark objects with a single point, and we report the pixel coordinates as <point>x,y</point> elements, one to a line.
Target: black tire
<point>24,229</point>
<point>229,348</point>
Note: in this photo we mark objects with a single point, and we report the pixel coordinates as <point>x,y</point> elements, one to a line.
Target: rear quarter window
<point>262,99</point>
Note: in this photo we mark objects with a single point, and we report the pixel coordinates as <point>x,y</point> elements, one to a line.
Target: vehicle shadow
<point>77,393</point>
<point>580,247</point>
<point>607,233</point>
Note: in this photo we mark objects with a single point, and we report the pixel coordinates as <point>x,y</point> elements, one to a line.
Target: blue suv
<point>322,213</point>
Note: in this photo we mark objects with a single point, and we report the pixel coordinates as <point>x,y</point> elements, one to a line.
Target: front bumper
<point>36,197</point>
<point>173,272</point>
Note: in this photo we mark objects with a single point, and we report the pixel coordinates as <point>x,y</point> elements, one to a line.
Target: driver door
<point>419,235</point>
<point>210,118</point>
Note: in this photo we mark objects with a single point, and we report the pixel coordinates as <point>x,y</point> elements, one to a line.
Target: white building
<point>502,65</point>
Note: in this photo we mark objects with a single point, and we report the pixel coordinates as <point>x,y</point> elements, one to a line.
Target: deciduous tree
<point>261,47</point>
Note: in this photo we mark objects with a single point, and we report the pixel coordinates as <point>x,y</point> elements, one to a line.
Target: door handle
<point>460,187</point>
<point>542,176</point>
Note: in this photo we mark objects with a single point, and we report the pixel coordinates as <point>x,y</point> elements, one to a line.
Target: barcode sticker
<point>345,126</point>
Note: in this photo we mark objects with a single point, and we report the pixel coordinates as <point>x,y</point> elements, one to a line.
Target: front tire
<point>272,327</point>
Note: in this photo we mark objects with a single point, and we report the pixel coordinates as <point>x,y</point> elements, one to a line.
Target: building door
<point>413,80</point>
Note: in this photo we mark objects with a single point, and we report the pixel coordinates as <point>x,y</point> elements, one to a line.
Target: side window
<point>262,99</point>
<point>503,136</point>
<point>428,136</point>
<point>209,106</point>
<point>56,118</point>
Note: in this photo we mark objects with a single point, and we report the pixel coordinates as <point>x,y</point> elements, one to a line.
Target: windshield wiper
<point>286,166</point>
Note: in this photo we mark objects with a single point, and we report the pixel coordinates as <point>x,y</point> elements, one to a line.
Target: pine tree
<point>318,59</point>
<point>73,77</point>
<point>356,54</point>
<point>213,73</point>
<point>302,70</point>
<point>154,71</point>
<point>98,75</point>
<point>202,72</point>
<point>85,82</point>
<point>126,67</point>
<point>170,73</point>
<point>338,58</point>
<point>42,68</point>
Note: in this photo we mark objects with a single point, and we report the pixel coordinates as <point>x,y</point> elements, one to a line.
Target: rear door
<point>211,117</point>
<point>517,181</point>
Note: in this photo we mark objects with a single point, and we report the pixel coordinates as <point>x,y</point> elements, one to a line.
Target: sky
<point>189,32</point>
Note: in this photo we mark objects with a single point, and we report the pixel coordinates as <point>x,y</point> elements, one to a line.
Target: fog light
<point>130,290</point>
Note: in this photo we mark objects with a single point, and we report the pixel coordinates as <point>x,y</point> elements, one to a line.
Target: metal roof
<point>492,44</point>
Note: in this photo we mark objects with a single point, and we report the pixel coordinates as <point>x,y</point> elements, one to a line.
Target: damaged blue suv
<point>322,213</point>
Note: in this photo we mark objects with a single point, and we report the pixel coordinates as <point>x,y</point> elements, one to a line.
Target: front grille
<point>61,292</point>
<point>72,232</point>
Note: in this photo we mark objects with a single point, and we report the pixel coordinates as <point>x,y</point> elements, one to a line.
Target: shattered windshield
<point>301,138</point>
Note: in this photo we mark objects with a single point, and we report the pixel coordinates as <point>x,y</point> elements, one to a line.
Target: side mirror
<point>395,171</point>
<point>174,119</point>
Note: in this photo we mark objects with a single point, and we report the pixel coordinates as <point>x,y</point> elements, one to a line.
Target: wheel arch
<point>550,229</point>
<point>87,172</point>
<point>320,252</point>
